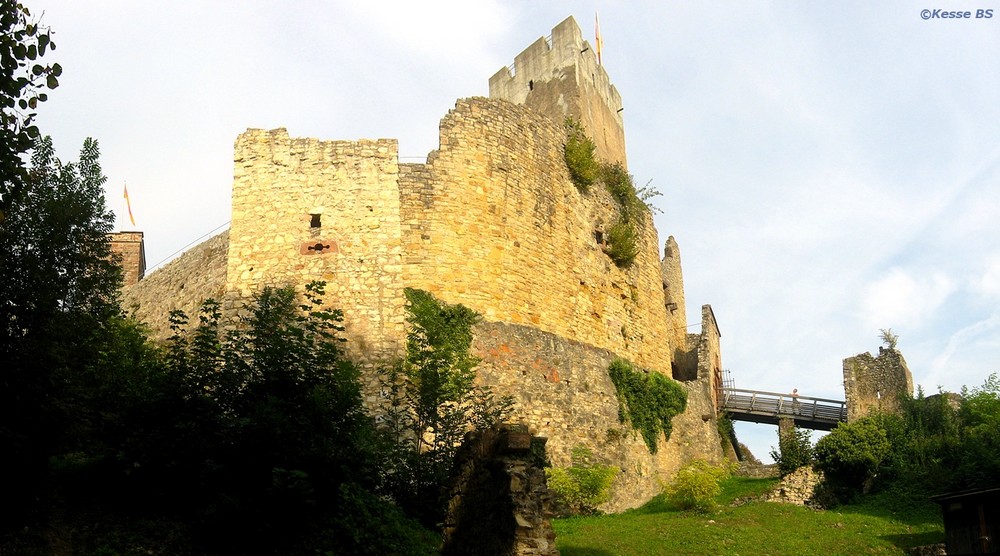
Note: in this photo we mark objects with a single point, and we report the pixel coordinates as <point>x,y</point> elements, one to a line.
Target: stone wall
<point>559,76</point>
<point>875,383</point>
<point>493,221</point>
<point>305,209</point>
<point>757,471</point>
<point>798,487</point>
<point>563,392</point>
<point>709,355</point>
<point>183,283</point>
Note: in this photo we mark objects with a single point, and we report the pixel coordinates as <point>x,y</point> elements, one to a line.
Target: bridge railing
<point>774,404</point>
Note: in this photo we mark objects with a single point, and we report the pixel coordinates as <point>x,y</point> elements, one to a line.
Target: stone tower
<point>559,76</point>
<point>875,383</point>
<point>306,209</point>
<point>682,367</point>
<point>130,247</point>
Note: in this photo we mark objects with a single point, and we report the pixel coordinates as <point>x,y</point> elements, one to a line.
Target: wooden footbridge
<point>771,407</point>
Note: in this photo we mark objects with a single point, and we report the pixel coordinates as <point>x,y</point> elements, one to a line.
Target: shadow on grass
<point>915,539</point>
<point>732,489</point>
<point>582,551</point>
<point>658,505</point>
<point>915,510</point>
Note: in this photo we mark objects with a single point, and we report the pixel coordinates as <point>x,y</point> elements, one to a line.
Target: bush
<point>579,153</point>
<point>622,246</point>
<point>584,485</point>
<point>621,186</point>
<point>794,450</point>
<point>696,486</point>
<point>853,453</point>
<point>367,524</point>
<point>646,400</point>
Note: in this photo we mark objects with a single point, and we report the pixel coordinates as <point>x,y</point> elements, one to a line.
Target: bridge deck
<point>770,407</point>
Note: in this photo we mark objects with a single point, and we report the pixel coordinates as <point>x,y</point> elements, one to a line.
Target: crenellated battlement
<point>559,76</point>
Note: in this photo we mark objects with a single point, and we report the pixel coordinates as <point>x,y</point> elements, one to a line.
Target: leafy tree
<point>795,450</point>
<point>432,402</point>
<point>58,307</point>
<point>853,453</point>
<point>23,42</point>
<point>980,415</point>
<point>254,432</point>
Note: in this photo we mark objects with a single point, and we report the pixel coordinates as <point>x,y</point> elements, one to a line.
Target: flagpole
<point>121,213</point>
<point>597,37</point>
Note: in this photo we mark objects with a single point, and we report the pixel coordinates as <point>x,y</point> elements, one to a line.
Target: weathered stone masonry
<point>490,220</point>
<point>874,384</point>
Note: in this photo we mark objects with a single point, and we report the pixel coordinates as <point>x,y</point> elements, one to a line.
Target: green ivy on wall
<point>646,400</point>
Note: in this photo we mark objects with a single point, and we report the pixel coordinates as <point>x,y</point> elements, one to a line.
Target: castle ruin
<point>490,220</point>
<point>876,384</point>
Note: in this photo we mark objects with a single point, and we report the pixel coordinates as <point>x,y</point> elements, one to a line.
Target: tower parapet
<point>560,77</point>
<point>130,247</point>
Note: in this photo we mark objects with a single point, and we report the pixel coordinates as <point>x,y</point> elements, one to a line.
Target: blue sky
<point>829,169</point>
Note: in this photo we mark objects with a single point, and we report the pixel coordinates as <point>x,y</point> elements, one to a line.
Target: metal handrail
<point>773,403</point>
<point>777,394</point>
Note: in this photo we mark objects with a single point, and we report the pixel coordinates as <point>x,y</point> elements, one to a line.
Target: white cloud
<point>987,284</point>
<point>901,298</point>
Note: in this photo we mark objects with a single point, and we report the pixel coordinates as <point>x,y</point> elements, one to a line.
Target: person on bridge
<point>795,401</point>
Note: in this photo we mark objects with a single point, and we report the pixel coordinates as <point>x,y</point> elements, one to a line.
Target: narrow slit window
<point>314,221</point>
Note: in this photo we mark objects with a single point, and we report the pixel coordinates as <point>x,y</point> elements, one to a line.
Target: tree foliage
<point>939,443</point>
<point>267,422</point>
<point>853,453</point>
<point>23,80</point>
<point>58,311</point>
<point>795,450</point>
<point>432,402</point>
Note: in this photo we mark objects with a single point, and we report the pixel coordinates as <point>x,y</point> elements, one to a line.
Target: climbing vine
<point>646,400</point>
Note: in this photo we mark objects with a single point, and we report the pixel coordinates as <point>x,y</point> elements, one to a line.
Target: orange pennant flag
<point>597,39</point>
<point>129,205</point>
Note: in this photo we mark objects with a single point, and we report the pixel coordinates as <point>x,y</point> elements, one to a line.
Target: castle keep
<point>491,220</point>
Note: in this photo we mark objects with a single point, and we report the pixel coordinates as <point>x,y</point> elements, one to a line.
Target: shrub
<point>794,450</point>
<point>696,485</point>
<point>620,185</point>
<point>622,246</point>
<point>646,400</point>
<point>367,524</point>
<point>853,452</point>
<point>579,153</point>
<point>584,485</point>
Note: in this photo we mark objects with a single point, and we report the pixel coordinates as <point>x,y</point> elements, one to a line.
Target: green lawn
<point>884,524</point>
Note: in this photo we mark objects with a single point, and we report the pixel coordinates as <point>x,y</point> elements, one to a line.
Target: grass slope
<point>884,524</point>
